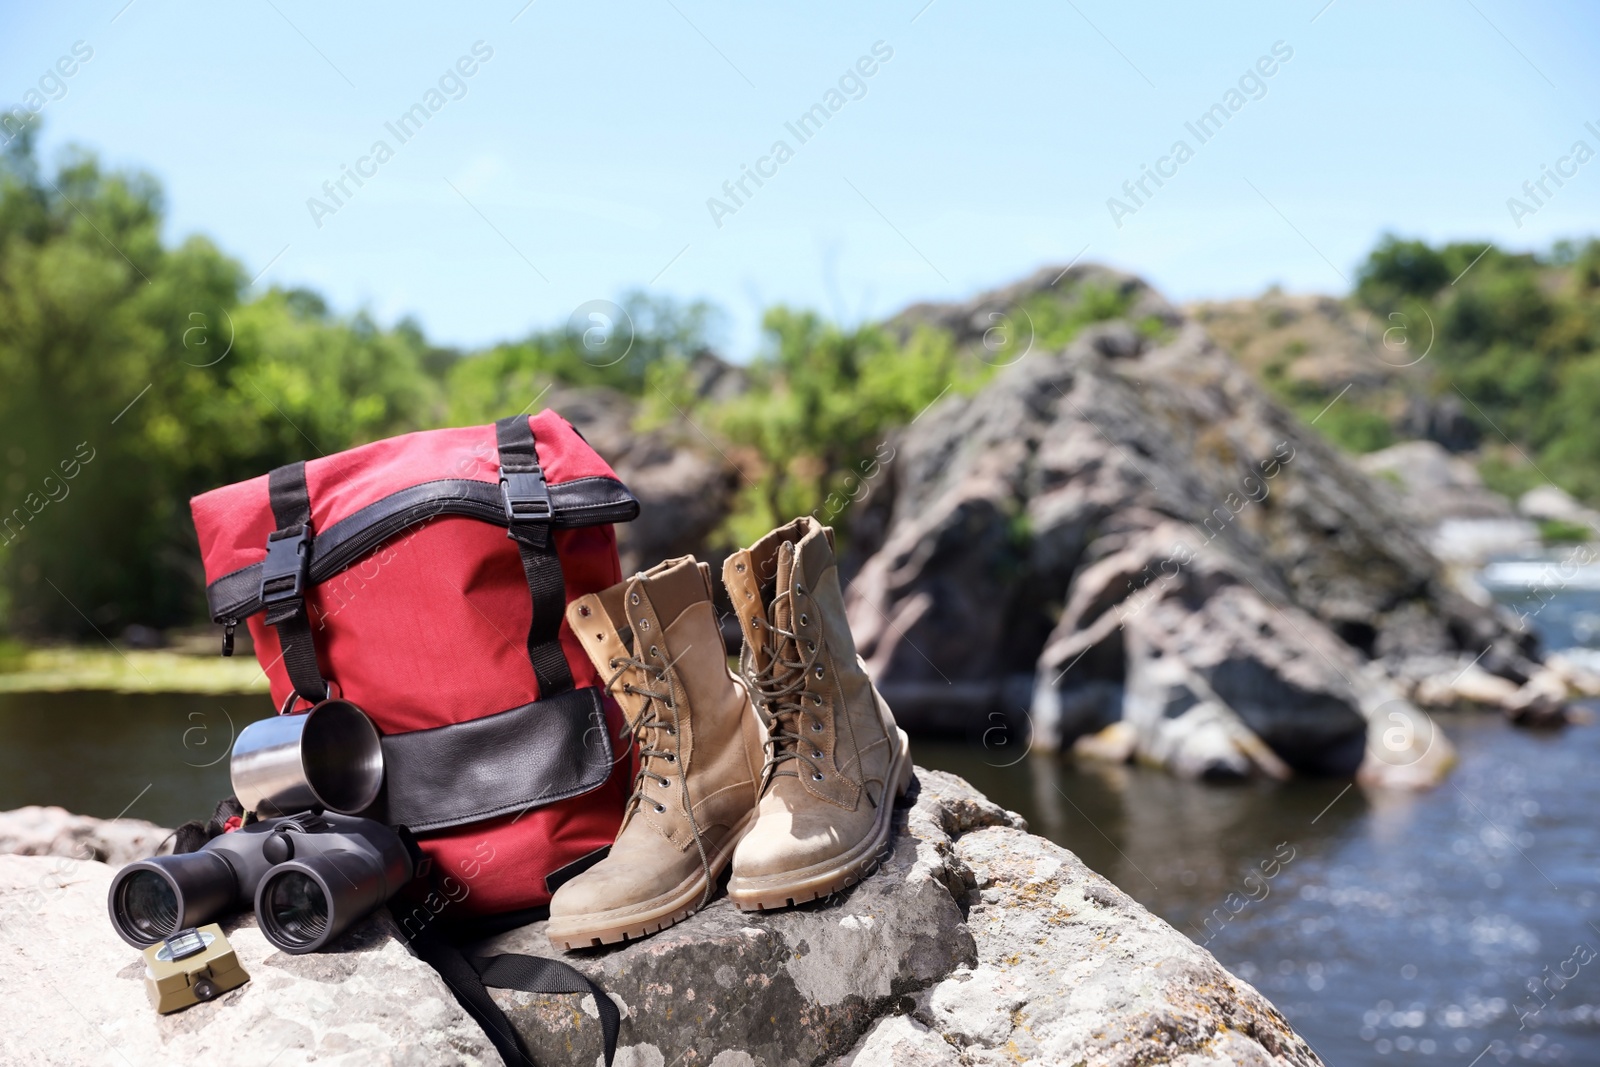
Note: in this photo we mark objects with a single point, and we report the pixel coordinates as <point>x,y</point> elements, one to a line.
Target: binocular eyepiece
<point>308,877</point>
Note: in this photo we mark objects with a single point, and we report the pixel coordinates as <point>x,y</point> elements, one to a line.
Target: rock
<point>1096,508</point>
<point>974,942</point>
<point>1470,685</point>
<point>1579,679</point>
<point>901,1041</point>
<point>1434,484</point>
<point>1054,980</point>
<point>38,831</point>
<point>1468,542</point>
<point>75,994</point>
<point>1541,701</point>
<point>1116,743</point>
<point>1550,502</point>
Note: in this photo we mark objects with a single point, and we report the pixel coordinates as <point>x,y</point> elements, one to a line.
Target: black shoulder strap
<point>286,577</point>
<point>469,977</point>
<point>528,518</point>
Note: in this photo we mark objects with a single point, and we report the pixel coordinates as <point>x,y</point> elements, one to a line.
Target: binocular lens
<point>146,907</point>
<point>155,898</point>
<point>296,910</point>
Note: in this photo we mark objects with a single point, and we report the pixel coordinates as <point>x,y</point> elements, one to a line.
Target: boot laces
<point>645,728</point>
<point>779,691</point>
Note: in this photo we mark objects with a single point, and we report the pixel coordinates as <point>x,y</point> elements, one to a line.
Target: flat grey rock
<point>975,942</point>
<point>74,992</point>
<point>52,831</point>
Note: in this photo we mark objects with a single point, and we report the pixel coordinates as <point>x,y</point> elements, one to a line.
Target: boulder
<point>38,831</point>
<point>75,994</point>
<point>1135,495</point>
<point>1435,485</point>
<point>1055,980</point>
<point>974,942</point>
<point>1219,680</point>
<point>1547,502</point>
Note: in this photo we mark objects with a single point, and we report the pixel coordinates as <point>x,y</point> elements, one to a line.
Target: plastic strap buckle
<point>526,496</point>
<point>286,573</point>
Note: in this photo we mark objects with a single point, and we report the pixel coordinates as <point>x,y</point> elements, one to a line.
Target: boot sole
<point>820,880</point>
<point>599,928</point>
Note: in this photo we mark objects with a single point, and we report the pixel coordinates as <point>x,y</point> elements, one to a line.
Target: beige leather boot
<point>654,637</point>
<point>835,761</point>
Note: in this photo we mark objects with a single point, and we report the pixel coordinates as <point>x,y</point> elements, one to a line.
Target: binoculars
<point>308,876</point>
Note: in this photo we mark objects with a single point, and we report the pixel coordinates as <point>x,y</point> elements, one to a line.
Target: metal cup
<point>329,757</point>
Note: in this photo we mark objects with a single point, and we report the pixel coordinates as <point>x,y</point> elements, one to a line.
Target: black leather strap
<point>469,976</point>
<point>536,974</point>
<point>528,523</point>
<point>286,579</point>
<point>552,749</point>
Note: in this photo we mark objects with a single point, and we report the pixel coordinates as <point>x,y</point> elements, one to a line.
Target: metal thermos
<point>329,757</point>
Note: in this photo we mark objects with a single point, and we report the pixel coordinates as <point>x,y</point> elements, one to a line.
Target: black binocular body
<point>307,876</point>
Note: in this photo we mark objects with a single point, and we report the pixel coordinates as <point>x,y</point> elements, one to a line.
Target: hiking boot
<point>655,640</point>
<point>834,759</point>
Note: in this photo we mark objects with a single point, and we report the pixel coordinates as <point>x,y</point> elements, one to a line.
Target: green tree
<point>135,377</point>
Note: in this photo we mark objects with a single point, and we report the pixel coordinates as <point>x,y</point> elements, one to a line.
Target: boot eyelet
<point>816,777</point>
<point>805,620</point>
<point>816,698</point>
<point>644,624</point>
<point>583,609</point>
<point>811,646</point>
<point>670,758</point>
<point>816,727</point>
<point>818,671</point>
<point>739,567</point>
<point>815,754</point>
<point>654,651</point>
<point>633,598</point>
<point>660,810</point>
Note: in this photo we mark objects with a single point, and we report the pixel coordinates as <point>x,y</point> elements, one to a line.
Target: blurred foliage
<point>1562,532</point>
<point>1518,335</point>
<point>820,400</point>
<point>135,377</point>
<point>620,351</point>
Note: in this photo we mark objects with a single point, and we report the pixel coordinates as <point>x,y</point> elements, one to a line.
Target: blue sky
<point>578,159</point>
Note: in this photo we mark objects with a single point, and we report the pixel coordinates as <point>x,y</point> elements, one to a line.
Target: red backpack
<point>425,578</point>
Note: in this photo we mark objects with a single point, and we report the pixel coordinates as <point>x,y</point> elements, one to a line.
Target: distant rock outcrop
<point>1134,523</point>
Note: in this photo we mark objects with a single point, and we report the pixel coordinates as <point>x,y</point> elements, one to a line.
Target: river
<point>1389,929</point>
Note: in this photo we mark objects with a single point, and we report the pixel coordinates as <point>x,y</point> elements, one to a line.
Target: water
<point>150,756</point>
<point>1389,929</point>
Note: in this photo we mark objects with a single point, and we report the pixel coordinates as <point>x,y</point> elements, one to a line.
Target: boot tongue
<point>613,602</point>
<point>782,602</point>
